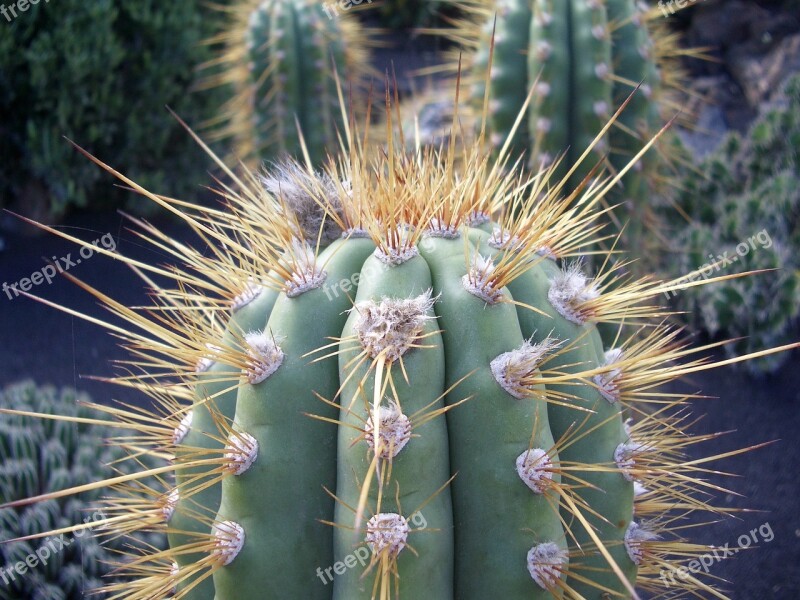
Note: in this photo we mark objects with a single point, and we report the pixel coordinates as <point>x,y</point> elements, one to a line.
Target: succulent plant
<point>41,456</point>
<point>744,205</point>
<point>281,60</point>
<point>404,393</point>
<point>584,60</point>
<point>99,73</point>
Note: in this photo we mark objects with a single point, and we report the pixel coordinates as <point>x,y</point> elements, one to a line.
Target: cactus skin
<point>280,59</point>
<point>746,192</point>
<point>43,456</point>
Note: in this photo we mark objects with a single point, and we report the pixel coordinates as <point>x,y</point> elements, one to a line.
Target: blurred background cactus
<point>41,456</point>
<point>280,61</point>
<point>101,74</point>
<point>744,205</point>
<point>585,59</point>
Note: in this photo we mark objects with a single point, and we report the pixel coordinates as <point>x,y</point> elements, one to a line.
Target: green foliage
<point>101,74</point>
<point>41,456</point>
<point>745,200</point>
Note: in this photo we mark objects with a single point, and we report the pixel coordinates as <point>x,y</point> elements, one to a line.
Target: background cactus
<point>405,395</point>
<point>280,62</point>
<point>584,60</point>
<point>41,456</point>
<point>744,206</point>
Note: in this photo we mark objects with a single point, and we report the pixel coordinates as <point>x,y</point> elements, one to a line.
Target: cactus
<point>744,207</point>
<point>281,60</point>
<point>42,456</point>
<point>584,60</point>
<point>403,393</point>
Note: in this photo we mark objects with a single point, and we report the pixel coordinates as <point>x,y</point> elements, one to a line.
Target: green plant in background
<point>744,206</point>
<point>41,456</point>
<point>101,74</point>
<point>385,380</point>
<point>281,61</point>
<point>584,60</point>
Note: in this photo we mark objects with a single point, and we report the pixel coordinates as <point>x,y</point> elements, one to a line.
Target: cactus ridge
<point>409,398</point>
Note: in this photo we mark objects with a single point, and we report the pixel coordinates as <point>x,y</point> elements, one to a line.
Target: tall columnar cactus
<point>281,60</point>
<point>402,393</point>
<point>42,456</point>
<point>583,59</point>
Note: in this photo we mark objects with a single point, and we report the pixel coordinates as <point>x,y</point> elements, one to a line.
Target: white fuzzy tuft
<point>264,356</point>
<point>228,541</point>
<point>477,218</point>
<point>536,469</point>
<point>626,455</point>
<point>250,292</point>
<point>182,430</point>
<point>569,291</point>
<point>636,535</point>
<point>513,369</point>
<point>309,199</point>
<point>387,532</point>
<point>305,273</point>
<point>608,382</point>
<point>394,431</point>
<point>169,502</point>
<point>392,326</point>
<point>241,452</point>
<point>478,280</point>
<point>401,250</point>
<point>503,240</point>
<point>439,228</point>
<point>546,563</point>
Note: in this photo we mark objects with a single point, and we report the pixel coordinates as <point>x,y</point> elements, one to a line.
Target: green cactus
<point>744,204</point>
<point>403,393</point>
<point>583,60</point>
<point>43,456</point>
<point>281,61</point>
